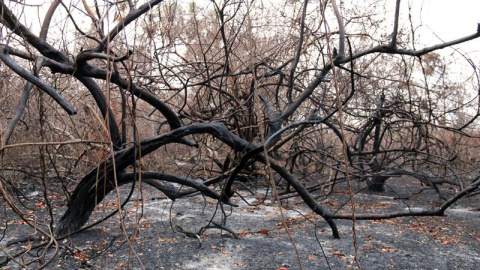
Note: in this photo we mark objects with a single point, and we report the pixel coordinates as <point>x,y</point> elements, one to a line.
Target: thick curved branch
<point>104,109</point>
<point>13,51</point>
<point>22,103</point>
<point>35,80</point>
<point>12,23</point>
<point>88,55</point>
<point>86,70</point>
<point>172,179</point>
<point>172,118</point>
<point>99,182</point>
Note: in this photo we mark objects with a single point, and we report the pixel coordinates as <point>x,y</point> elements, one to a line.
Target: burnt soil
<point>148,235</point>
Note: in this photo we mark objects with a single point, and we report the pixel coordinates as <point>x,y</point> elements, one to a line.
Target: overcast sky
<point>448,20</point>
<point>441,20</point>
<point>451,19</point>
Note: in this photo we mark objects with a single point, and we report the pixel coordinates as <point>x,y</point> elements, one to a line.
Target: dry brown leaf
<point>338,253</point>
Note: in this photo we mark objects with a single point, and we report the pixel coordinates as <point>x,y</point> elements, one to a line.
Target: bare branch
<point>389,50</point>
<point>393,43</point>
<point>35,80</point>
<point>341,28</point>
<point>38,66</point>
<point>48,19</point>
<point>440,211</point>
<point>88,55</point>
<point>132,16</point>
<point>104,109</point>
<point>9,20</point>
<point>298,52</point>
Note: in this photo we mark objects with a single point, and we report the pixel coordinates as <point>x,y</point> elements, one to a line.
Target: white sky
<point>446,20</point>
<point>437,20</point>
<point>451,19</point>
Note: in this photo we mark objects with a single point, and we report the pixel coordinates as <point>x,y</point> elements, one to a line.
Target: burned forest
<point>106,105</point>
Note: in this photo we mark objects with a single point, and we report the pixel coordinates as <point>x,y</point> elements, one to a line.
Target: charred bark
<point>93,188</point>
